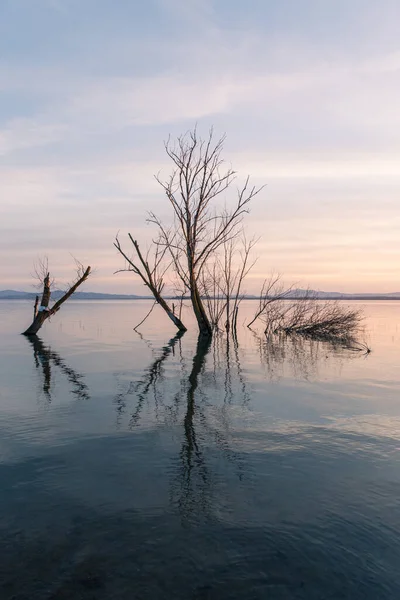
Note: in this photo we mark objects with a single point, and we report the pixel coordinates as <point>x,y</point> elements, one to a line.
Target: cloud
<point>346,104</point>
<point>310,113</point>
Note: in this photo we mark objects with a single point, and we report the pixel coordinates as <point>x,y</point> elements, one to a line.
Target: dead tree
<point>44,311</point>
<point>210,287</point>
<point>272,293</point>
<point>322,320</point>
<point>307,315</point>
<point>200,226</point>
<point>152,276</point>
<point>235,272</point>
<point>223,280</point>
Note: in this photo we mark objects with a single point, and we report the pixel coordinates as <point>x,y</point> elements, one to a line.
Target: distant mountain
<point>293,294</point>
<point>14,295</point>
<point>300,293</point>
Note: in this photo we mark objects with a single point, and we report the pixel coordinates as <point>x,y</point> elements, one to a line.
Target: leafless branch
<point>272,291</point>
<point>152,274</point>
<point>200,226</point>
<point>147,315</point>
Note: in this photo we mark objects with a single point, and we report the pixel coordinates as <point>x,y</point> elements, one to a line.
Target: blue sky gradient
<point>307,91</point>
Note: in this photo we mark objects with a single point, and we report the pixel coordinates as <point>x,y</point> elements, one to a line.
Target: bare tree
<point>222,286</point>
<point>200,226</point>
<point>271,293</point>
<point>307,315</point>
<point>210,288</point>
<point>151,275</point>
<point>322,320</point>
<point>234,279</point>
<point>43,311</point>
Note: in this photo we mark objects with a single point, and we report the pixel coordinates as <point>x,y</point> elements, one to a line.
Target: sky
<point>307,92</point>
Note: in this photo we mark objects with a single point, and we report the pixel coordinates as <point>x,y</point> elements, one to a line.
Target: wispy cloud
<point>309,102</point>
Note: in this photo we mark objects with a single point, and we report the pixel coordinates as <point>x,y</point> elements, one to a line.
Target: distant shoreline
<point>112,298</point>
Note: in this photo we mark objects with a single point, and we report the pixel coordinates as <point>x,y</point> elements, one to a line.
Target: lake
<point>154,467</point>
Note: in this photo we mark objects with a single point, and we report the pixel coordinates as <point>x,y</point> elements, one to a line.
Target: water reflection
<point>223,374</point>
<point>153,375</point>
<point>45,359</point>
<point>302,358</point>
<point>193,477</point>
<point>227,486</point>
<point>226,360</point>
<point>204,398</point>
<point>279,356</point>
<point>198,403</point>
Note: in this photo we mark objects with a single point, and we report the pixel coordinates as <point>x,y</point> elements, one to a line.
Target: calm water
<point>151,467</point>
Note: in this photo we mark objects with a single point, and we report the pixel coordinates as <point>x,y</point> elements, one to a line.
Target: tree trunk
<point>235,317</point>
<point>228,311</point>
<point>203,321</point>
<point>160,300</point>
<point>36,324</point>
<point>42,313</point>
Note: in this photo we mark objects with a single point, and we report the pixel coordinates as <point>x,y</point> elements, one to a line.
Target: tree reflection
<point>45,359</point>
<point>192,459</point>
<point>200,402</point>
<point>295,356</point>
<point>227,361</point>
<point>152,376</point>
<point>204,399</point>
<point>207,423</point>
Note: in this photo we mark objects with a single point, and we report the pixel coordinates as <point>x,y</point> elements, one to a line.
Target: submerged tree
<point>223,279</point>
<point>152,274</point>
<point>44,311</point>
<point>201,248</point>
<point>322,320</point>
<point>303,313</point>
<point>271,294</point>
<point>200,226</point>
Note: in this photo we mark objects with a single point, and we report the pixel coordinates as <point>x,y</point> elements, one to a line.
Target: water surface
<point>153,466</point>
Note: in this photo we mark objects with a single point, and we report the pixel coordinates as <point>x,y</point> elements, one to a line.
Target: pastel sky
<point>307,91</point>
